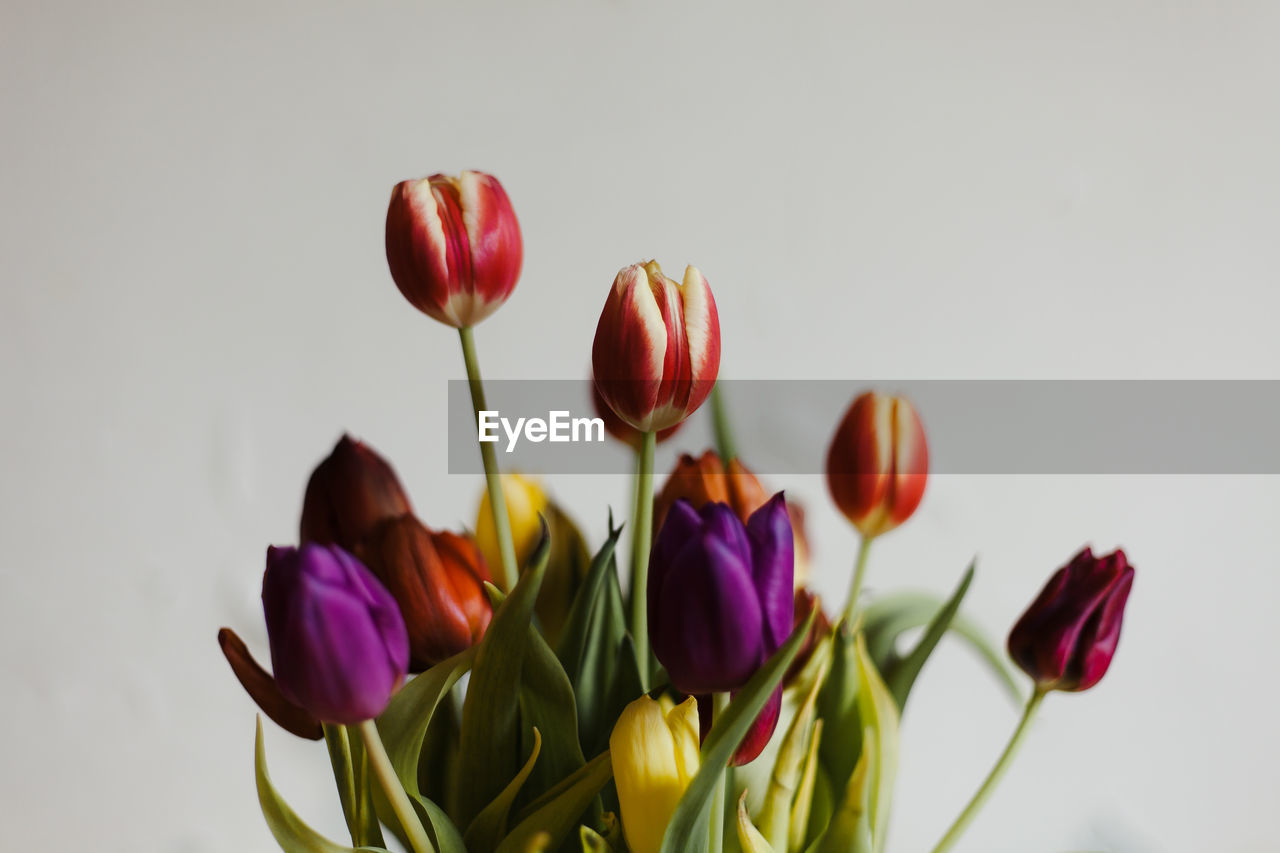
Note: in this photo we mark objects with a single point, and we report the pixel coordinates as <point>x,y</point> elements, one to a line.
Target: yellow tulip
<point>525,501</point>
<point>654,749</point>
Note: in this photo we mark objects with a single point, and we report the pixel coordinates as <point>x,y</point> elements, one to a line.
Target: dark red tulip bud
<point>437,578</point>
<point>1067,637</point>
<point>262,689</point>
<point>348,494</point>
<point>756,738</point>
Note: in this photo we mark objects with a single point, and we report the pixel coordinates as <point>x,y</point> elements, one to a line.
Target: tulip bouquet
<point>509,689</point>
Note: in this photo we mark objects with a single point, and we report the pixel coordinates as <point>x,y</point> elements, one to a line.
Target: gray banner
<point>973,426</point>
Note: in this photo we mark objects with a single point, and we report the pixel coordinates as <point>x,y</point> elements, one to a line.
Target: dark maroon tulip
<point>339,647</point>
<point>349,494</point>
<point>1067,637</point>
<point>720,596</point>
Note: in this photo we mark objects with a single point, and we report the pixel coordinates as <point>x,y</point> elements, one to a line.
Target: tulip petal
<point>773,563</point>
<point>681,524</point>
<point>708,620</point>
<point>262,688</point>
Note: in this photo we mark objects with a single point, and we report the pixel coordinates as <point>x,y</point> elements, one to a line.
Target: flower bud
<point>878,463</point>
<point>453,246</point>
<point>657,347</point>
<point>1067,637</point>
<point>437,579</point>
<point>620,429</point>
<point>348,494</point>
<point>338,643</point>
<point>720,594</point>
<point>654,751</point>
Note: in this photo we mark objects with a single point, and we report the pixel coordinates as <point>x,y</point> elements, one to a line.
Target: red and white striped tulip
<point>657,346</point>
<point>878,463</point>
<point>453,245</point>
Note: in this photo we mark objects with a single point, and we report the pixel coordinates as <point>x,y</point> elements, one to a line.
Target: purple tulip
<point>720,594</point>
<point>1067,637</point>
<point>338,643</point>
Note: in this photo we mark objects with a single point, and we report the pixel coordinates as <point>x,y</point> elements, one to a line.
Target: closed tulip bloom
<point>338,643</point>
<point>657,346</point>
<point>1068,636</point>
<point>350,493</point>
<point>878,463</point>
<point>454,246</point>
<point>654,751</point>
<point>437,578</point>
<point>720,594</point>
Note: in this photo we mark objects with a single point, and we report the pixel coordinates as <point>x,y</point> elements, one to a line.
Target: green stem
<point>335,737</point>
<point>381,765</point>
<point>1002,764</point>
<point>641,539</point>
<point>509,571</point>
<point>720,423</point>
<point>859,570</point>
<point>719,702</point>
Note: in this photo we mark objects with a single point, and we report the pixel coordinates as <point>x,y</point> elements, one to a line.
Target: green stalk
<point>509,571</point>
<point>859,570</point>
<point>381,765</point>
<point>1002,764</point>
<point>720,424</point>
<point>335,738</point>
<point>719,702</point>
<point>641,539</point>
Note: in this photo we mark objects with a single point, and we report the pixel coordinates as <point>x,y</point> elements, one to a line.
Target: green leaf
<point>802,806</point>
<point>491,824</point>
<point>576,635</point>
<point>838,706</point>
<point>784,781</point>
<point>887,618</point>
<point>901,676</point>
<point>588,647</point>
<point>445,835</point>
<point>290,832</point>
<point>547,703</point>
<point>861,821</point>
<point>558,811</point>
<point>751,839</point>
<point>403,725</point>
<point>489,744</point>
<point>687,831</point>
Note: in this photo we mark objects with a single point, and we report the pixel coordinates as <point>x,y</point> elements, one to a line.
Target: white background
<point>196,304</point>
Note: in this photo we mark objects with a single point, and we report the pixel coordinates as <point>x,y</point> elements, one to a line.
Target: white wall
<point>195,304</point>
